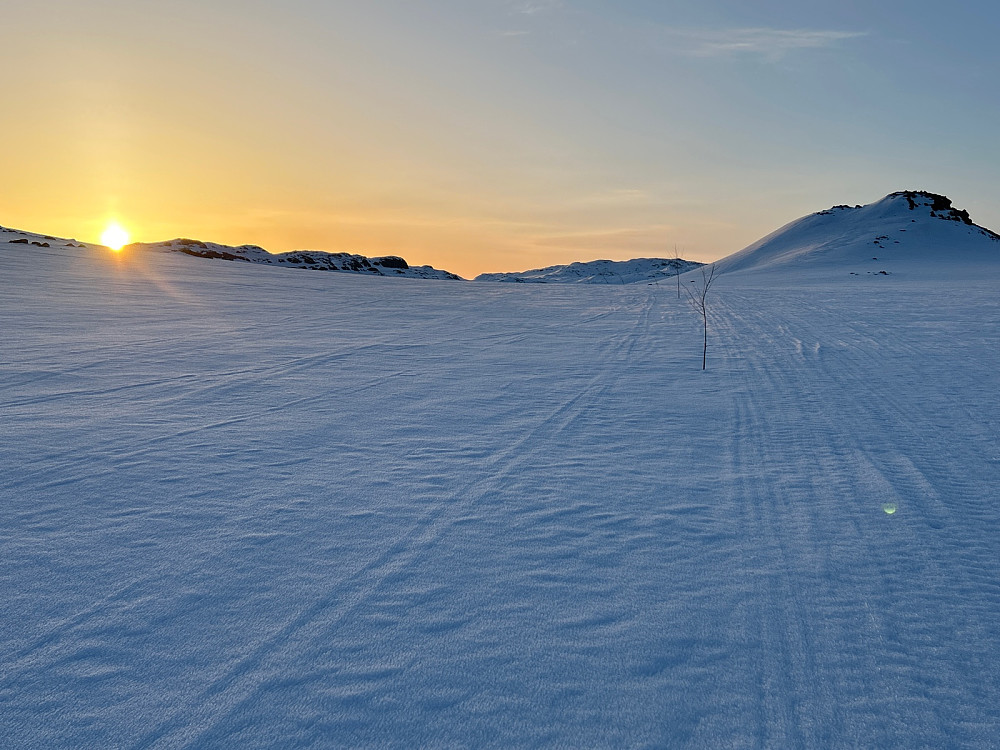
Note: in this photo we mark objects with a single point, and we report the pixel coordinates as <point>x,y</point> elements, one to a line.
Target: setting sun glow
<point>115,237</point>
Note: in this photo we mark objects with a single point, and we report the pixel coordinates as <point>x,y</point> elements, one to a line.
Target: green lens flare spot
<point>889,508</point>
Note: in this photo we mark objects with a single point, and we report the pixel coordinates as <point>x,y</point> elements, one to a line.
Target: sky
<point>489,135</point>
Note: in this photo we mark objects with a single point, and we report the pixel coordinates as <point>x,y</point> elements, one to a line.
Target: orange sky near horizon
<point>162,181</point>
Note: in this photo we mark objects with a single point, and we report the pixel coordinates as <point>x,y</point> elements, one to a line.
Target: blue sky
<point>492,135</point>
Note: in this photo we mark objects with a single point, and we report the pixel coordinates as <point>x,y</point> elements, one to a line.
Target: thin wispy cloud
<point>533,7</point>
<point>771,44</point>
<point>525,11</point>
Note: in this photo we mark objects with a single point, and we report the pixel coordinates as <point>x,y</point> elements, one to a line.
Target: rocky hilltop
<point>315,260</point>
<point>910,232</point>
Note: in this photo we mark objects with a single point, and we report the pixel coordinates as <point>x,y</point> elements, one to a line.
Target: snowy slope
<point>241,508</point>
<point>32,239</point>
<point>599,272</point>
<point>916,233</point>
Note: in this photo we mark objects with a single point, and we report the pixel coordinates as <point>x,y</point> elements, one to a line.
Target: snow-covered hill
<point>915,233</point>
<point>316,260</point>
<point>599,272</point>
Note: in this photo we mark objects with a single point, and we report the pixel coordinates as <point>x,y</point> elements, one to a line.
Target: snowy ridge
<point>315,260</point>
<point>911,232</point>
<point>19,237</point>
<point>632,271</point>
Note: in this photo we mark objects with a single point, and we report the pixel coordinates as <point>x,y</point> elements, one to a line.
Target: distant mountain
<point>909,232</point>
<point>315,260</point>
<point>599,272</point>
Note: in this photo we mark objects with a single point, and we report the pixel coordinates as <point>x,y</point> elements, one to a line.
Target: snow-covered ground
<point>247,508</point>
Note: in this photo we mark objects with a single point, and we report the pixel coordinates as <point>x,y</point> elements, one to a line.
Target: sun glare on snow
<point>115,237</point>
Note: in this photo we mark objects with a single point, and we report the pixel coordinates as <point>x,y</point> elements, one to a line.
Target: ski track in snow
<point>240,686</point>
<point>841,421</point>
<point>494,515</point>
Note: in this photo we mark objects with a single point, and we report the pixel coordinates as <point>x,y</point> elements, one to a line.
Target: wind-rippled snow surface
<point>242,507</point>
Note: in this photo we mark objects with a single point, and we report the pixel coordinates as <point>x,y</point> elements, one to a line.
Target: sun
<point>115,236</point>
